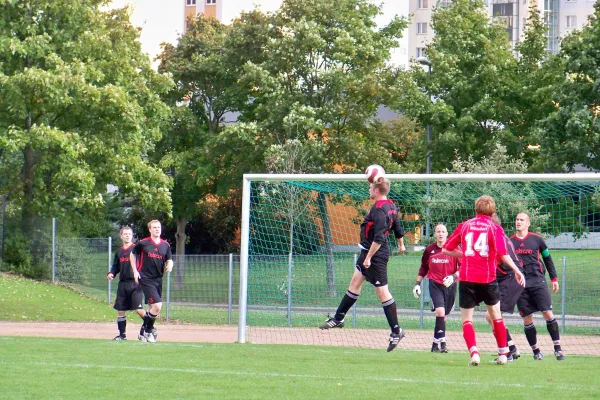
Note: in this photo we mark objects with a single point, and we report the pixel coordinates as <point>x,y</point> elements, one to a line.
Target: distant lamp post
<point>425,61</point>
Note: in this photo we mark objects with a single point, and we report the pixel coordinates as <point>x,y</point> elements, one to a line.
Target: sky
<point>162,20</point>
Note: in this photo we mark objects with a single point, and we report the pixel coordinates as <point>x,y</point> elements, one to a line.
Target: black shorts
<point>534,299</point>
<point>129,296</point>
<point>442,296</point>
<point>152,290</point>
<point>376,274</point>
<point>510,291</point>
<point>471,294</point>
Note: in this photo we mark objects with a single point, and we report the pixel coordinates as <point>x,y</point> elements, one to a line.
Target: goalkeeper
<point>371,266</point>
<point>442,271</point>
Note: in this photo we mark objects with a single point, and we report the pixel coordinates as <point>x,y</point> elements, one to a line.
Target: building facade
<point>561,17</point>
<point>210,8</point>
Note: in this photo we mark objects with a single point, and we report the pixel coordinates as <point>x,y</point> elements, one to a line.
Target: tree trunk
<point>327,240</point>
<point>181,238</point>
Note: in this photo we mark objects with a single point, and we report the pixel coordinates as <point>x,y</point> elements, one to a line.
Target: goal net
<point>299,246</point>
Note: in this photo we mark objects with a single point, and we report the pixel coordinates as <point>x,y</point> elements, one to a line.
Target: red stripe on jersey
<point>369,225</point>
<point>140,260</point>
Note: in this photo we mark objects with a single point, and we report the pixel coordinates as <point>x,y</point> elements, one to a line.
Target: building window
<point>571,21</point>
<point>423,3</point>
<point>421,28</point>
<point>420,52</point>
<point>209,2</point>
<point>190,2</point>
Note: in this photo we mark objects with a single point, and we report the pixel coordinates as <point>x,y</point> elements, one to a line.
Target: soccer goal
<point>299,245</point>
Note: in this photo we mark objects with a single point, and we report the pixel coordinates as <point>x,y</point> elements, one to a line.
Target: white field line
<point>338,379</point>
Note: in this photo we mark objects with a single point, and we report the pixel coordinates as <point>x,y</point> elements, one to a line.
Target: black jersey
<point>529,249</point>
<point>502,269</point>
<point>151,257</point>
<point>122,265</point>
<point>379,221</point>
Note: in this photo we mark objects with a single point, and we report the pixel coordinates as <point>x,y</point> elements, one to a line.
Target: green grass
<point>27,300</point>
<point>34,368</point>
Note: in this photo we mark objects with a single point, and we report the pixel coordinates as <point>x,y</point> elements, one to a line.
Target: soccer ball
<point>375,173</point>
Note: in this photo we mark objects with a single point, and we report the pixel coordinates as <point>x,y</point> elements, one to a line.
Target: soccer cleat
<point>149,337</point>
<point>559,355</point>
<point>538,356</point>
<point>514,354</point>
<point>119,337</point>
<point>475,360</point>
<point>155,333</point>
<point>443,347</point>
<point>332,323</point>
<point>502,359</point>
<point>395,338</point>
<point>435,348</point>
<point>142,338</point>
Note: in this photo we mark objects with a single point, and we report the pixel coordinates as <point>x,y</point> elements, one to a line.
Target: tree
<point>79,108</point>
<point>472,78</point>
<point>570,134</point>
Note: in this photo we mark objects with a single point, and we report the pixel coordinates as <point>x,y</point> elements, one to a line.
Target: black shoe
<point>559,355</point>
<point>395,338</point>
<point>443,347</point>
<point>435,348</point>
<point>332,323</point>
<point>514,354</point>
<point>119,337</point>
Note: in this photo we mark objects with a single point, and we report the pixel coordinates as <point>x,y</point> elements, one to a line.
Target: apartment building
<point>210,8</point>
<point>560,16</point>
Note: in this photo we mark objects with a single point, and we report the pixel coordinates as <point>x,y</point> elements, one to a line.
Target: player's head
<point>155,228</point>
<point>126,234</point>
<point>441,233</point>
<point>485,205</point>
<point>496,219</point>
<point>379,189</point>
<point>522,222</point>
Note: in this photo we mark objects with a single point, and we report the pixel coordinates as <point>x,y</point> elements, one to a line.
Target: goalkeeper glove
<point>449,280</point>
<point>417,290</point>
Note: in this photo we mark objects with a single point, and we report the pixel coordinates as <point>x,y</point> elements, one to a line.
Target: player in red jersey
<point>481,240</point>
<point>442,271</point>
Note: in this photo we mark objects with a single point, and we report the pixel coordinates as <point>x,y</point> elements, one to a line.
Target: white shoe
<point>142,338</point>
<point>475,360</point>
<point>149,337</point>
<point>502,359</point>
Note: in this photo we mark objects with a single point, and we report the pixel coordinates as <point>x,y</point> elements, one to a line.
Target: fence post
<point>563,294</point>
<point>168,316</point>
<point>230,289</point>
<point>109,260</point>
<point>422,303</point>
<point>356,302</point>
<point>53,250</point>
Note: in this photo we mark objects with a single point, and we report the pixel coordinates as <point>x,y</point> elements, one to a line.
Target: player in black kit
<point>536,296</point>
<point>371,266</point>
<point>129,293</point>
<point>150,259</point>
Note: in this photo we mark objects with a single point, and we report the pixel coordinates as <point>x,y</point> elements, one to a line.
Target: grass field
<point>38,368</point>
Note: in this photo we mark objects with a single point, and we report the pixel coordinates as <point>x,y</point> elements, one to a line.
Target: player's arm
<point>133,262</point>
<point>422,273</point>
<point>372,250</point>
<point>549,263</point>
<point>169,262</point>
<point>399,233</point>
<point>518,274</point>
<point>115,269</point>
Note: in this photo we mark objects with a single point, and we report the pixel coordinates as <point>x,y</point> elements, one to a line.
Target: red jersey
<point>481,241</point>
<point>435,265</point>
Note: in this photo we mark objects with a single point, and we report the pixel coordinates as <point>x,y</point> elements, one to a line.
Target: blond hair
<point>153,222</point>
